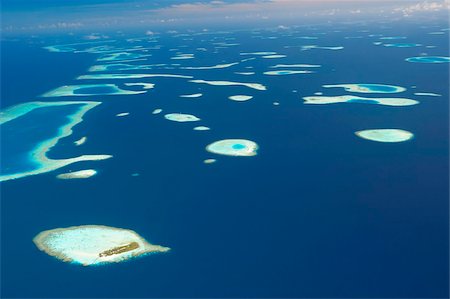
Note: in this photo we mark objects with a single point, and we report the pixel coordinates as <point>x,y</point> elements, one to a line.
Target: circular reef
<point>233,147</point>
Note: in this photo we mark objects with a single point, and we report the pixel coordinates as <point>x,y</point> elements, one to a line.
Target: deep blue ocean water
<point>317,213</point>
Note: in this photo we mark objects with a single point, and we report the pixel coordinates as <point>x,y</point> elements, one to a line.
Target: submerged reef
<point>94,244</point>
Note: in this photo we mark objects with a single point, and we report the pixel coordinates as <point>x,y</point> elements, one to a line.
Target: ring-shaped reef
<point>360,100</point>
<point>94,244</point>
<point>89,90</point>
<point>234,147</point>
<point>385,135</point>
<point>368,88</point>
<point>31,130</point>
<point>429,59</point>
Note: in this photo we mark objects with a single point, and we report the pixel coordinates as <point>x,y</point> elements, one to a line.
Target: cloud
<point>143,13</point>
<point>425,6</point>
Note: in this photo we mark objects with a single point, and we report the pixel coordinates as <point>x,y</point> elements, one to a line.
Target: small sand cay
<point>94,244</point>
<point>180,117</point>
<point>233,147</point>
<point>81,174</point>
<point>385,135</point>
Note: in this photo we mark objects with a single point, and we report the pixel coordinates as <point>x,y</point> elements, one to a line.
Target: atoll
<point>233,147</point>
<point>368,88</point>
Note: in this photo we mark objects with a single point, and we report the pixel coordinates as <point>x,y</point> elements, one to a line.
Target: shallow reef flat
<point>26,149</point>
<point>274,56</point>
<point>296,66</point>
<point>141,84</point>
<point>429,94</point>
<point>194,95</point>
<point>233,147</point>
<point>360,100</point>
<point>88,90</point>
<point>80,174</point>
<point>385,135</point>
<point>311,47</point>
<point>400,45</point>
<point>392,37</point>
<point>94,244</point>
<point>129,76</point>
<point>429,59</point>
<point>256,86</point>
<point>218,66</point>
<point>121,56</point>
<point>180,117</point>
<point>73,47</point>
<point>201,128</point>
<point>258,53</point>
<point>285,72</point>
<point>118,67</point>
<point>240,98</point>
<point>368,88</point>
<point>80,141</point>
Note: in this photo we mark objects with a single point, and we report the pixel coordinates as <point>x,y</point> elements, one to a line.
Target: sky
<point>42,15</point>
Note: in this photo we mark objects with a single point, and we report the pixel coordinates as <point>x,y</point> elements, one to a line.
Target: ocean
<point>318,212</point>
